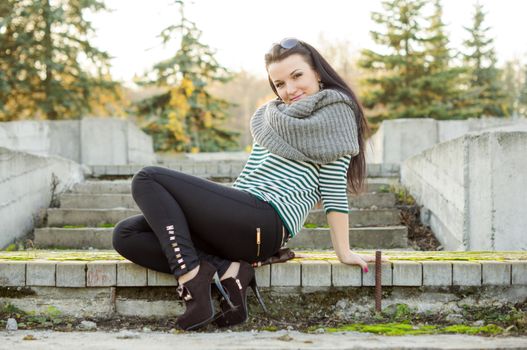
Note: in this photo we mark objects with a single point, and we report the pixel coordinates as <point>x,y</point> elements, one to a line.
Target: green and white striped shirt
<point>293,187</point>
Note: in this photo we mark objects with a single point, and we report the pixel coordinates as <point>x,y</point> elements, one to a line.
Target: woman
<point>202,232</point>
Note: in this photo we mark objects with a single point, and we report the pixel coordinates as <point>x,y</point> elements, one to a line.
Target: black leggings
<point>186,219</point>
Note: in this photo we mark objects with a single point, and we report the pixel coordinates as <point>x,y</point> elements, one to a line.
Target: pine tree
<point>41,45</point>
<point>186,117</point>
<point>442,82</point>
<point>522,99</point>
<point>395,80</point>
<point>485,91</point>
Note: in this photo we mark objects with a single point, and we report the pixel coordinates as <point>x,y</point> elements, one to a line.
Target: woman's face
<point>293,78</point>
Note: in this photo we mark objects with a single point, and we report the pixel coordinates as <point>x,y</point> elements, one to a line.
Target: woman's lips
<point>297,97</point>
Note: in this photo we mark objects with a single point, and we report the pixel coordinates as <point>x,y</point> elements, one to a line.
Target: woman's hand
<point>361,260</point>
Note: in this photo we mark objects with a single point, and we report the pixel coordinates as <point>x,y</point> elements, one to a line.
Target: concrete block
<point>263,275</point>
<point>496,273</point>
<point>40,273</point>
<point>286,274</point>
<point>519,272</point>
<point>316,273</point>
<point>12,273</point>
<point>466,273</point>
<point>101,274</point>
<point>437,273</point>
<point>407,273</point>
<point>344,275</point>
<point>71,274</point>
<point>130,274</point>
<point>368,279</point>
<point>156,278</point>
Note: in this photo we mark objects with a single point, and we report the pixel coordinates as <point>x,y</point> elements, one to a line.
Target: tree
<point>522,98</point>
<point>41,46</point>
<point>395,76</point>
<point>186,117</point>
<point>486,94</point>
<point>441,84</point>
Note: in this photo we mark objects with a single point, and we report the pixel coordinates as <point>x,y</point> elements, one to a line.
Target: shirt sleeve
<point>333,184</point>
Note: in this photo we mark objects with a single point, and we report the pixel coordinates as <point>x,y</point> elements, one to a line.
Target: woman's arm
<point>339,229</point>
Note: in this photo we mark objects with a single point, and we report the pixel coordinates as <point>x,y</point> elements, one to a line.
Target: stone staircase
<point>89,210</point>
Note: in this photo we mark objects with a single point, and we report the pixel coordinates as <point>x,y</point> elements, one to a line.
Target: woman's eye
<point>298,75</point>
<point>278,85</point>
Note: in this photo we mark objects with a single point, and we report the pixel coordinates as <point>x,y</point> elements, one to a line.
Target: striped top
<point>293,187</point>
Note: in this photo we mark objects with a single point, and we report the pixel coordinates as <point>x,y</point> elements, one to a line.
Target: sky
<point>240,32</point>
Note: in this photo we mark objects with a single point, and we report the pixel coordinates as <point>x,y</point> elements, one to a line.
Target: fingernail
<point>365,269</point>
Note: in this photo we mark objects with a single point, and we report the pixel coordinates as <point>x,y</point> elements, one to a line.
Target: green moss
<point>73,226</point>
<point>489,329</point>
<point>11,247</point>
<point>404,328</point>
<point>90,255</point>
<point>270,328</point>
<point>106,225</point>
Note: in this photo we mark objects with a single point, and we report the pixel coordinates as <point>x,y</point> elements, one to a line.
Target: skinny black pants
<point>186,219</point>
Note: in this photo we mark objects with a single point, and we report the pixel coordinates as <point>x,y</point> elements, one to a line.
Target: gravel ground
<point>130,340</point>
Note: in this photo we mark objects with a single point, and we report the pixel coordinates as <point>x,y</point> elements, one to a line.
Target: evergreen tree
<point>186,117</point>
<point>522,99</point>
<point>41,45</point>
<point>441,82</point>
<point>485,91</point>
<point>396,75</point>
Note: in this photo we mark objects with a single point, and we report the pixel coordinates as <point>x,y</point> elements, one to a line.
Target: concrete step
<point>123,200</point>
<point>220,168</point>
<point>360,217</point>
<point>124,186</point>
<point>58,217</point>
<point>102,282</point>
<point>318,238</point>
<point>364,237</point>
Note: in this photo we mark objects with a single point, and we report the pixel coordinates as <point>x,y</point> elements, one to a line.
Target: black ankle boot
<point>197,296</point>
<point>237,290</point>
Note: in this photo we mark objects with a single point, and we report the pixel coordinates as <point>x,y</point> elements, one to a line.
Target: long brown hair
<point>331,79</point>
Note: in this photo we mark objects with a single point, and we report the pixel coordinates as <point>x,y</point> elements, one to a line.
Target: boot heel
<point>254,287</point>
<point>218,284</point>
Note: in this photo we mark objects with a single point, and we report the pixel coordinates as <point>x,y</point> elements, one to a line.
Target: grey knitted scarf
<point>319,128</point>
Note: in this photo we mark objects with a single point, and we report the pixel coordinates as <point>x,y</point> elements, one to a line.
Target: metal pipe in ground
<point>378,287</point>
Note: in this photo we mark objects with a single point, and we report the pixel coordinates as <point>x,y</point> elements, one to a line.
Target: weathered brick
<point>12,273</point>
<point>496,273</point>
<point>263,276</point>
<point>40,273</point>
<point>101,274</point>
<point>466,273</point>
<point>286,274</point>
<point>71,274</point>
<point>407,273</point>
<point>368,279</point>
<point>519,272</point>
<point>437,273</point>
<point>344,275</point>
<point>316,273</point>
<point>156,278</point>
<point>130,274</point>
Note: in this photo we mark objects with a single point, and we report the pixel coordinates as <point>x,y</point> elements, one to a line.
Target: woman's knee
<point>119,234</point>
<point>143,174</point>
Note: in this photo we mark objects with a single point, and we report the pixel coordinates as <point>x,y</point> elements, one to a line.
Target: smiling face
<point>293,78</point>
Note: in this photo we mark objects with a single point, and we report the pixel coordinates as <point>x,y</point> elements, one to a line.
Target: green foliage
<point>486,93</point>
<point>41,46</point>
<point>186,117</point>
<point>414,76</point>
<point>396,76</point>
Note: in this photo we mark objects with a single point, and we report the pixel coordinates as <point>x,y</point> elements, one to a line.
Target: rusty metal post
<point>378,286</point>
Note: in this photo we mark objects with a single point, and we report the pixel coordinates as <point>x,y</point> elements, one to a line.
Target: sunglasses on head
<point>287,43</point>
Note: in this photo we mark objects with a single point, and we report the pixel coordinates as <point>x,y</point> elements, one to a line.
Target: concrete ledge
<point>293,273</point>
